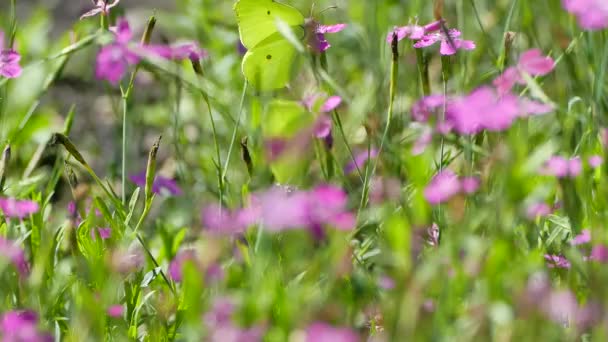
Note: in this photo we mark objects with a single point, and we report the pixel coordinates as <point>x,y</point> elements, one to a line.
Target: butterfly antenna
<point>328,8</point>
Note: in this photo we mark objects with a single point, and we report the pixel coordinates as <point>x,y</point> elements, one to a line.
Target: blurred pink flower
<point>557,261</point>
<point>483,109</point>
<point>116,311</point>
<point>386,283</point>
<point>323,332</point>
<point>442,187</point>
<point>561,167</point>
<point>176,265</point>
<point>9,60</point>
<point>15,254</point>
<point>101,7</point>
<point>219,323</point>
<point>161,185</point>
<point>595,161</point>
<point>359,161</point>
<point>278,209</point>
<point>104,233</point>
<point>177,52</point>
<point>582,238</point>
<point>452,37</point>
<point>15,208</point>
<point>599,253</point>
<point>425,107</point>
<point>531,62</point>
<point>591,14</point>
<point>470,184</point>
<point>539,209</point>
<point>114,58</point>
<point>21,326</point>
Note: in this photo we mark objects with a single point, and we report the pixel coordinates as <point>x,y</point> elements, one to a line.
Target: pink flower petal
<point>331,28</point>
<point>442,187</point>
<point>534,63</point>
<point>582,238</point>
<point>595,161</point>
<point>470,184</point>
<point>332,103</point>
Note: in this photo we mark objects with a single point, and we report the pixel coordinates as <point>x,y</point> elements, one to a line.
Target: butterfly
<point>270,55</point>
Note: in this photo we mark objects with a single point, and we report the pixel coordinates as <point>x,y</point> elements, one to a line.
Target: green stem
<point>389,117</point>
<point>338,123</point>
<point>234,132</point>
<point>124,150</point>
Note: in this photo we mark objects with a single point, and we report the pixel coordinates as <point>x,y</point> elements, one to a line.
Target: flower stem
<point>234,133</point>
<point>389,117</point>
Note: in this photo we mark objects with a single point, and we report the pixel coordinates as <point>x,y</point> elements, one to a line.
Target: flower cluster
<point>487,108</point>
<point>279,209</point>
<point>15,208</point>
<point>430,34</point>
<point>446,184</point>
<point>114,59</point>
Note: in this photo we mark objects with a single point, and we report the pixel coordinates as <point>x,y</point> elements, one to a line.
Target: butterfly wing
<point>269,64</point>
<point>257,19</point>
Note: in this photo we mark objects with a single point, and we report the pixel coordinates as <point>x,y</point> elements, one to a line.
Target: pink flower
<point>21,326</point>
<point>161,185</point>
<point>599,253</point>
<point>561,167</point>
<point>104,233</point>
<point>442,187</point>
<point>177,264</point>
<point>413,31</point>
<point>219,323</point>
<point>386,283</point>
<point>360,160</point>
<point>595,161</point>
<point>531,62</point>
<point>11,207</point>
<point>452,37</point>
<point>482,109</point>
<point>591,14</point>
<point>425,107</point>
<point>538,210</point>
<point>469,184</point>
<point>582,238</point>
<point>316,33</point>
<point>534,63</point>
<point>223,221</point>
<point>11,251</point>
<point>114,59</point>
<point>323,332</point>
<point>278,209</point>
<point>116,311</point>
<point>177,52</point>
<point>101,7</point>
<point>9,60</point>
<point>557,261</point>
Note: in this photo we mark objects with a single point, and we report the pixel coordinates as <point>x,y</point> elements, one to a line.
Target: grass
<point>170,276</point>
